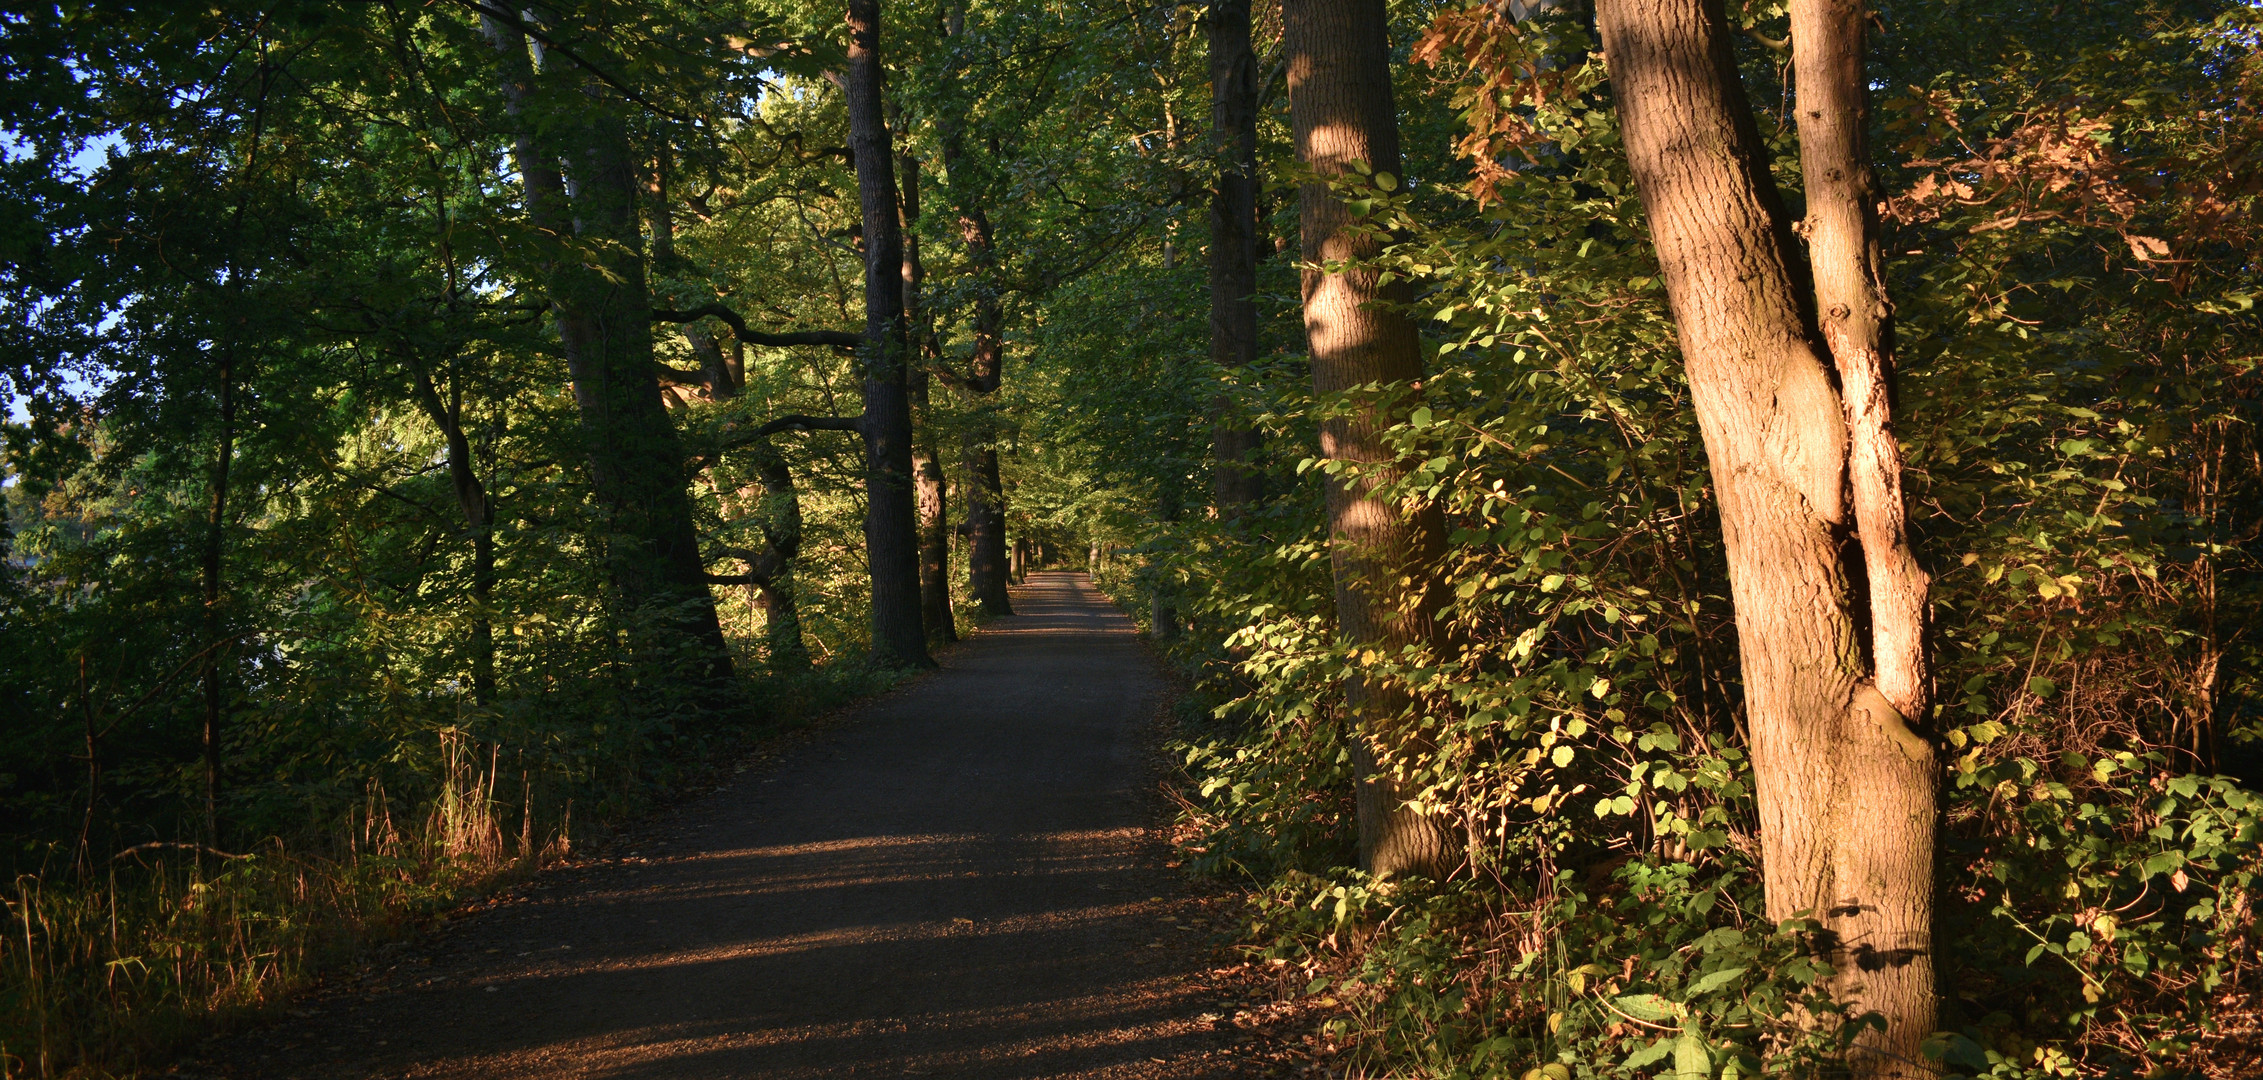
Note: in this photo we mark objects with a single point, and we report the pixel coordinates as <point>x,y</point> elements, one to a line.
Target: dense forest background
<point>435,429</point>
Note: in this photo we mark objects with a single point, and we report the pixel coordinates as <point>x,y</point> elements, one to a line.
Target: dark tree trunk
<point>1341,110</point>
<point>215,621</point>
<point>479,521</point>
<point>599,293</point>
<point>988,567</point>
<point>1234,481</point>
<point>927,465</point>
<point>891,527</point>
<point>1845,788</point>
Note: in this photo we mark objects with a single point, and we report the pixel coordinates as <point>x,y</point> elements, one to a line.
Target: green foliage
<point>2077,403</point>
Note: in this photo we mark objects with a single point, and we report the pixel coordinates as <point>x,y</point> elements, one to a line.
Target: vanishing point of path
<point>958,881</point>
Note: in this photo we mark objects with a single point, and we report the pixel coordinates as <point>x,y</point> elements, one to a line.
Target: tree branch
<point>513,20</point>
<point>840,338</point>
<point>798,422</point>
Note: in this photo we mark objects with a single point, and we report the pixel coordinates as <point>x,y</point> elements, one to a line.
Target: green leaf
<point>1649,1055</point>
<point>1715,981</point>
<point>1649,1007</point>
<point>1562,756</point>
<point>1691,1060</point>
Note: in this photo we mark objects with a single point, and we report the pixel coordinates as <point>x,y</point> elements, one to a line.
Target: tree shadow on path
<point>960,882</point>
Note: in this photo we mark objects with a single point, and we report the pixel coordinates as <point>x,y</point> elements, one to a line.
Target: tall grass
<point>107,968</point>
<point>102,972</point>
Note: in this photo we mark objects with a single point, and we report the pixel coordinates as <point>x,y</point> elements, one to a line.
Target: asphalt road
<point>961,880</point>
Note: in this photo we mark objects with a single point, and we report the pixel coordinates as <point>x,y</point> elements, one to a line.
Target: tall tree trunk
<point>987,564</point>
<point>1234,482</point>
<point>215,623</point>
<point>603,308</point>
<point>891,528</point>
<point>1341,110</point>
<point>927,465</point>
<point>1845,788</point>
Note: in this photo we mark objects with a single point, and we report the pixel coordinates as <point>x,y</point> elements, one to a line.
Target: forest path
<point>959,881</point>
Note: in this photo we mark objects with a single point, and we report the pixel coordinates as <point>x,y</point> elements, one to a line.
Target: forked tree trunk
<point>599,294</point>
<point>1234,480</point>
<point>1341,110</point>
<point>479,519</point>
<point>891,528</point>
<point>1845,788</point>
<point>1884,849</point>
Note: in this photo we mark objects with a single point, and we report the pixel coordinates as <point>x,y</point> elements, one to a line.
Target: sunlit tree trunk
<point>1845,788</point>
<point>781,530</point>
<point>1341,110</point>
<point>1234,482</point>
<point>1882,854</point>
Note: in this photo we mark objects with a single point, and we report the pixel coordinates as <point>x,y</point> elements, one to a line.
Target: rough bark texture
<point>1234,483</point>
<point>1845,789</point>
<point>1888,855</point>
<point>1848,264</point>
<point>603,308</point>
<point>891,530</point>
<point>1340,107</point>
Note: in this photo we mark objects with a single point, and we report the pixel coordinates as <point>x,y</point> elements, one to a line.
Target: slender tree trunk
<point>1341,110</point>
<point>603,308</point>
<point>215,622</point>
<point>927,465</point>
<point>1234,482</point>
<point>891,528</point>
<point>1845,788</point>
<point>1162,598</point>
<point>479,523</point>
<point>1883,853</point>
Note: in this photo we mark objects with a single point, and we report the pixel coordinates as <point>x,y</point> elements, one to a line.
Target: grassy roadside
<point>109,971</point>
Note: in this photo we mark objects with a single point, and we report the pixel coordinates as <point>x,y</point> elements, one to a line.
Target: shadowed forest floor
<point>962,880</point>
